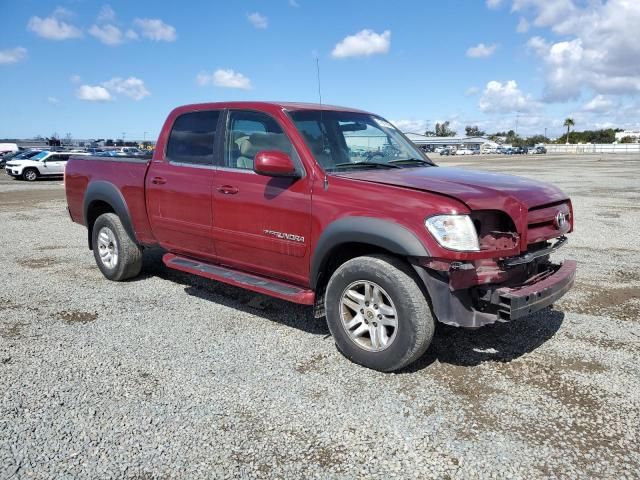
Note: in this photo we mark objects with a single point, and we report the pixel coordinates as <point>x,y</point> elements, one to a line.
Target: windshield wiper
<point>366,164</point>
<point>411,160</point>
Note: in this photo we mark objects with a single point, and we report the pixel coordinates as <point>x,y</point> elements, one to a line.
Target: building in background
<point>474,143</point>
<point>635,134</point>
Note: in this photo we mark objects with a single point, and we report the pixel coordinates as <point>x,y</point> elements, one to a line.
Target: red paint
<point>233,217</point>
<point>274,163</point>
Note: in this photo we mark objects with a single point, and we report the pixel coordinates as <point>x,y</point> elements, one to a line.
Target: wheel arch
<point>104,197</point>
<point>364,235</point>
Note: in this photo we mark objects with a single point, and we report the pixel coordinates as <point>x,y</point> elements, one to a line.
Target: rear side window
<point>192,138</point>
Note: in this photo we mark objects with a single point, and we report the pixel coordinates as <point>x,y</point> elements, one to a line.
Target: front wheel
<point>30,174</point>
<point>377,313</point>
<point>116,253</point>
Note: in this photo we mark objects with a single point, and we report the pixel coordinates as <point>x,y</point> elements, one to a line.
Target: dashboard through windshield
<point>352,140</point>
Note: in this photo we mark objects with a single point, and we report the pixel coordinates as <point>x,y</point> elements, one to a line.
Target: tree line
<point>606,135</point>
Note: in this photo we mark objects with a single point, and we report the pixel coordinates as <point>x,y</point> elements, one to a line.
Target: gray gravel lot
<point>172,376</point>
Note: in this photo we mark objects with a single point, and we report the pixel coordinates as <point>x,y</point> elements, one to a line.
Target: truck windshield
<point>353,140</point>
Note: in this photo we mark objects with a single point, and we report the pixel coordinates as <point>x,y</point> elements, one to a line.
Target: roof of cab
<point>290,106</point>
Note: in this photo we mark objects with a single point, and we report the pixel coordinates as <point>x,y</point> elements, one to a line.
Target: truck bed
<point>127,174</point>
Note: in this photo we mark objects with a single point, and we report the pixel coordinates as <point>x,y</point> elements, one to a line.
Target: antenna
<point>318,74</point>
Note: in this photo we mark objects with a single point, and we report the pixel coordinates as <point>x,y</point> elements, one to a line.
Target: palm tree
<point>568,122</point>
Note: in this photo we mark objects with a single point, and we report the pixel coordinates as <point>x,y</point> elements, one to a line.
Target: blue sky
<point>98,69</point>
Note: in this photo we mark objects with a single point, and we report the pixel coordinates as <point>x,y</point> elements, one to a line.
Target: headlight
<point>455,232</point>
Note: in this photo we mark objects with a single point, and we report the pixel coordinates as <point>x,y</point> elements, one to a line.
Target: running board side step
<point>267,286</point>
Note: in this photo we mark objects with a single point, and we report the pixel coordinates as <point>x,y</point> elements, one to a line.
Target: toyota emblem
<point>562,220</point>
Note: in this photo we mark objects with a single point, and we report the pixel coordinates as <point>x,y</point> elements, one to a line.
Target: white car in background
<point>464,151</point>
<point>44,164</point>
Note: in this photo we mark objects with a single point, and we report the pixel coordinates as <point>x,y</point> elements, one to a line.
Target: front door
<point>179,186</point>
<point>261,224</point>
<point>55,165</point>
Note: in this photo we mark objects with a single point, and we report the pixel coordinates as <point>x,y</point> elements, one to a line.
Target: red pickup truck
<point>331,207</point>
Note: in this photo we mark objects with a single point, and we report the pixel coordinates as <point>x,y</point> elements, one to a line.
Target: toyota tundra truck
<point>331,207</point>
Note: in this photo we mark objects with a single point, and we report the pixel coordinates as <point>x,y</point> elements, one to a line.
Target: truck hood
<point>478,190</point>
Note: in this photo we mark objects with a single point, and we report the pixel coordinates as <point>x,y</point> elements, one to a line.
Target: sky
<point>112,69</point>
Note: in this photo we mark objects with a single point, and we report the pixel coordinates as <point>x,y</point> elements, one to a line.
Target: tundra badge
<point>285,236</point>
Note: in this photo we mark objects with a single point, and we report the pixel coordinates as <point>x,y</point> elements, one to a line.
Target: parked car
<point>446,151</point>
<point>19,155</point>
<point>8,148</point>
<point>464,151</point>
<point>383,249</point>
<point>43,164</point>
<point>541,149</point>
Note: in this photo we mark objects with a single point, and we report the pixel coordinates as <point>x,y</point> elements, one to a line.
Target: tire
<point>398,288</point>
<point>117,255</point>
<point>30,174</point>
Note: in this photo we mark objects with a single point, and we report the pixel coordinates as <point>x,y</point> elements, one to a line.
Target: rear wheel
<point>30,174</point>
<point>377,313</point>
<point>116,253</point>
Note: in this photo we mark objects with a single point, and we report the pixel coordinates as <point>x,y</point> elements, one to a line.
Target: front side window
<point>250,133</point>
<point>192,138</point>
<point>349,140</point>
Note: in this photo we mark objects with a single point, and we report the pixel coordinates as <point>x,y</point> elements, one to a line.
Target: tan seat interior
<point>250,145</point>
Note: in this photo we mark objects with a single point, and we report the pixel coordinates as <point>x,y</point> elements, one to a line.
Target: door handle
<point>228,189</point>
<point>159,180</point>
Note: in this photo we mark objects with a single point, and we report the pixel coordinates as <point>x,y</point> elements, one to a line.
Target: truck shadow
<point>278,311</point>
<point>502,342</point>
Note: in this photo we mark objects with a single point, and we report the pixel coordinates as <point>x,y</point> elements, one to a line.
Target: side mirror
<point>273,163</point>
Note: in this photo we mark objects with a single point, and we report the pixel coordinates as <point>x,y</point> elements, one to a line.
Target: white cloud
<point>12,55</point>
<point>598,50</point>
<point>131,35</point>
<point>506,97</point>
<point>411,126</point>
<point>364,43</point>
<point>471,91</point>
<point>93,93</point>
<point>600,104</point>
<point>75,78</point>
<point>106,14</point>
<point>53,100</point>
<point>107,34</point>
<point>226,78</point>
<point>257,20</point>
<point>155,29</point>
<point>53,27</point>
<point>294,3</point>
<point>493,3</point>
<point>481,50</point>
<point>132,87</point>
<point>523,25</point>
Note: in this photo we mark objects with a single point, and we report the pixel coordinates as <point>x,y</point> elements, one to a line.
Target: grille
<point>542,223</point>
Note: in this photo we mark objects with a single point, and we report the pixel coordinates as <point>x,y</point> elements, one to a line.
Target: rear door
<point>179,186</point>
<point>262,224</point>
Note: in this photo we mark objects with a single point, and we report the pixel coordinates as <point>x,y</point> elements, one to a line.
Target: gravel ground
<point>172,376</point>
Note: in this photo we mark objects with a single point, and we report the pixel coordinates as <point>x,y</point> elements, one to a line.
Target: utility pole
<point>124,134</point>
<point>144,137</point>
<point>545,134</point>
<point>517,118</point>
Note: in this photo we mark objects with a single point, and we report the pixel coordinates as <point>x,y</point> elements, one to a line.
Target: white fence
<point>594,148</point>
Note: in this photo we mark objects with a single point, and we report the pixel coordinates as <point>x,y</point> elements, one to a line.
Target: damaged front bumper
<point>514,303</point>
<point>476,295</point>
